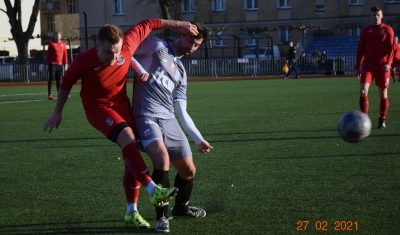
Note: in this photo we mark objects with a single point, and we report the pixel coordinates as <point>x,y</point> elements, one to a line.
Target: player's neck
<point>177,52</point>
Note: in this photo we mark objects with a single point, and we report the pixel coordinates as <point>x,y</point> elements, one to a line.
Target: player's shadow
<point>73,228</point>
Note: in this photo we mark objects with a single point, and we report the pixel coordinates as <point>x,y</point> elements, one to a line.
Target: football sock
<point>135,164</point>
<point>130,208</point>
<point>161,177</point>
<point>364,104</point>
<point>150,187</point>
<point>131,187</point>
<point>383,107</point>
<point>185,191</point>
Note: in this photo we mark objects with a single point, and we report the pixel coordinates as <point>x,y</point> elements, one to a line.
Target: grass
<point>277,163</point>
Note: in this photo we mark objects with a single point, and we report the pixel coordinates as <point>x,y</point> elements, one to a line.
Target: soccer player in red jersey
<point>396,58</point>
<point>103,72</point>
<point>375,52</point>
<point>56,54</point>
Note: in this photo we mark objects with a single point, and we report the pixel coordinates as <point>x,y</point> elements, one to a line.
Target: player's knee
<point>122,134</point>
<point>188,173</point>
<point>363,93</point>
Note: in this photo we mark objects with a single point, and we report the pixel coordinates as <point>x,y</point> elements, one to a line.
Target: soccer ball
<point>354,126</point>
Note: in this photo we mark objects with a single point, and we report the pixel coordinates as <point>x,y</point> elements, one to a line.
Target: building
<point>241,24</point>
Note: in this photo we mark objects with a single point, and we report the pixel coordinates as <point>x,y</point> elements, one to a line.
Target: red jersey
<point>396,53</point>
<point>104,85</point>
<point>56,53</point>
<point>375,47</point>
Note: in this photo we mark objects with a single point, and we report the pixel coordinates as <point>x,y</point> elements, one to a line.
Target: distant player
<point>375,52</point>
<point>396,59</point>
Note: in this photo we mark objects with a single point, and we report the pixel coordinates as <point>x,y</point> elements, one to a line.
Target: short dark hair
<point>375,9</point>
<point>110,33</point>
<point>203,31</point>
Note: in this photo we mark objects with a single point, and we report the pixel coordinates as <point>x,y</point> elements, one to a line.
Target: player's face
<point>188,44</point>
<point>377,17</point>
<point>108,53</point>
<point>57,37</point>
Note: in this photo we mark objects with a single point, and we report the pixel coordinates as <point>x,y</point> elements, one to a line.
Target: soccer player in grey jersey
<point>161,87</point>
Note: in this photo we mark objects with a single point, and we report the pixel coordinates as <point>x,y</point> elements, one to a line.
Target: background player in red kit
<point>375,52</point>
<point>103,72</point>
<point>396,59</point>
<point>56,54</point>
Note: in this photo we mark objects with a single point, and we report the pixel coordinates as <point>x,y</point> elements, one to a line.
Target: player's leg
<point>132,188</point>
<point>50,81</point>
<point>383,81</point>
<point>57,75</point>
<point>149,132</point>
<point>295,71</point>
<point>393,73</point>
<point>180,156</point>
<point>365,82</point>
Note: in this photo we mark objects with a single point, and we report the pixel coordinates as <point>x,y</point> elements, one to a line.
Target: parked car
<point>264,52</point>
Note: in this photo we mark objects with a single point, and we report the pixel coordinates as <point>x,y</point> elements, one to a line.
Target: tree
<point>20,37</point>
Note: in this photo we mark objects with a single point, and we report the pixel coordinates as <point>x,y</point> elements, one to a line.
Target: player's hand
<point>386,68</point>
<point>204,147</point>
<point>143,77</point>
<point>358,75</point>
<point>54,121</point>
<point>187,28</point>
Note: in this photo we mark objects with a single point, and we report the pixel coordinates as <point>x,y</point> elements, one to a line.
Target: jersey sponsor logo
<point>162,79</point>
<point>121,60</point>
<point>109,121</point>
<point>150,123</point>
<point>147,132</point>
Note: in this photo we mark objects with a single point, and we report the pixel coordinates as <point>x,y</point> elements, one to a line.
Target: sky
<point>5,28</point>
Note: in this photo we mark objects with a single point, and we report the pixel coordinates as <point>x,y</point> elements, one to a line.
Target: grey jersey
<point>167,80</point>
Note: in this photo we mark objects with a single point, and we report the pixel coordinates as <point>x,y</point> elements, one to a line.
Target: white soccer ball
<point>354,126</point>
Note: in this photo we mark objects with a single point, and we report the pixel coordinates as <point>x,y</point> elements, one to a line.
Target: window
<point>119,7</point>
<point>219,42</point>
<point>284,3</point>
<point>50,24</point>
<point>284,35</point>
<point>71,6</point>
<point>188,6</point>
<point>392,1</point>
<point>251,4</point>
<point>319,7</point>
<point>49,5</point>
<point>356,2</point>
<point>218,5</point>
<point>354,30</point>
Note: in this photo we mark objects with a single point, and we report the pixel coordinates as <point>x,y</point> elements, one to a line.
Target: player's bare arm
<point>183,26</point>
<point>56,118</point>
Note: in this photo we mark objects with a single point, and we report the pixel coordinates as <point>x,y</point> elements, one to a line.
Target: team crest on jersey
<point>109,121</point>
<point>383,31</point>
<point>120,60</point>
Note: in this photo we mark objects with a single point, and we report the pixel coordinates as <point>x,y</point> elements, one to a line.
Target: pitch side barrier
<point>333,65</point>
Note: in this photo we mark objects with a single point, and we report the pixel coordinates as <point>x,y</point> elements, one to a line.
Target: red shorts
<point>105,118</point>
<point>382,79</point>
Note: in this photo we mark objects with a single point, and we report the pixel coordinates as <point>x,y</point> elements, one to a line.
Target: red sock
<point>135,164</point>
<point>383,107</point>
<point>364,104</point>
<point>131,186</point>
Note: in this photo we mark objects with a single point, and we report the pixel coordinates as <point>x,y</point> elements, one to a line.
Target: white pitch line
<point>23,101</point>
<point>24,94</point>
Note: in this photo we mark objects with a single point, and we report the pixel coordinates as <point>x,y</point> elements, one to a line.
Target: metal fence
<point>341,64</point>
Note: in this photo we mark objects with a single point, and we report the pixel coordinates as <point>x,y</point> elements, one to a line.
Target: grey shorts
<point>149,129</point>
